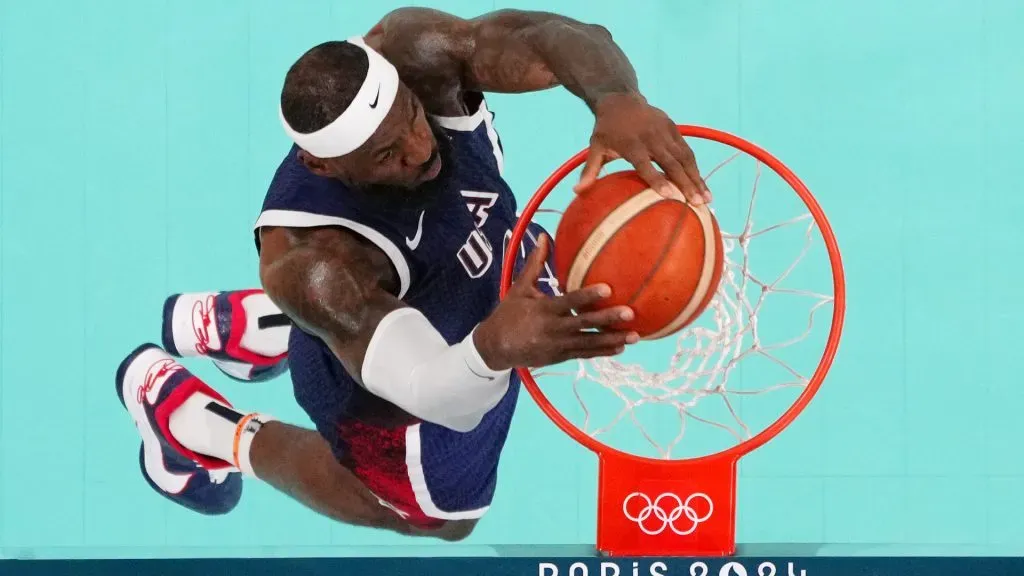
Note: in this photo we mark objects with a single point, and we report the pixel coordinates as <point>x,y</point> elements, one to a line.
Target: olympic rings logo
<point>668,518</point>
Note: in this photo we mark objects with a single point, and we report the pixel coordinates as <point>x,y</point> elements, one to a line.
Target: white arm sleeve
<point>409,364</point>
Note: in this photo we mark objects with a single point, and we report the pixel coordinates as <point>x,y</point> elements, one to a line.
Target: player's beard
<point>422,196</point>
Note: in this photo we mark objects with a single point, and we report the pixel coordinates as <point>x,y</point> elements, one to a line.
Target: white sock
<point>208,427</point>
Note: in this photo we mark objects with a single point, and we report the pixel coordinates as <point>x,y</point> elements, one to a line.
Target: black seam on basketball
<point>590,265</point>
<point>664,254</point>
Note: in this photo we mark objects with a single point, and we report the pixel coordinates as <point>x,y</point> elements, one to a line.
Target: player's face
<point>402,153</point>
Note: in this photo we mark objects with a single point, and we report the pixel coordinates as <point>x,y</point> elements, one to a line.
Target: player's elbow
<point>460,423</point>
<point>427,396</point>
<point>447,407</point>
<point>600,30</point>
<point>558,26</point>
<point>442,416</point>
<point>445,414</point>
<point>409,364</point>
<point>457,530</point>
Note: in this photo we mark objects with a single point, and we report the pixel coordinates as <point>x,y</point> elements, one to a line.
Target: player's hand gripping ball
<point>628,127</point>
<point>662,257</point>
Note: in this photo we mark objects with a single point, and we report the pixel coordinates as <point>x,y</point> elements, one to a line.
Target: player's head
<point>345,107</point>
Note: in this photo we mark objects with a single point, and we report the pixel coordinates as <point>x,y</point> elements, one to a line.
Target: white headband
<point>362,117</point>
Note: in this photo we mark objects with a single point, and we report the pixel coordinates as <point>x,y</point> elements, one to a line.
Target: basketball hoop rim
<point>835,331</point>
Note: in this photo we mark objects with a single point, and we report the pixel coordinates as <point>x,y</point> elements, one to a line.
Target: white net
<point>717,365</point>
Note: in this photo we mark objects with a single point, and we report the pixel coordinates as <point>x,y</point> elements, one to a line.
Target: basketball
<point>661,257</point>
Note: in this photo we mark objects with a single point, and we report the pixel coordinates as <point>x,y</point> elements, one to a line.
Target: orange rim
<point>838,313</point>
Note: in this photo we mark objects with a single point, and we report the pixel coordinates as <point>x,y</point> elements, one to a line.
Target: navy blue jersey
<point>447,256</point>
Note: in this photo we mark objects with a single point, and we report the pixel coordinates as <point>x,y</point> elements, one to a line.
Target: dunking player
<point>379,240</point>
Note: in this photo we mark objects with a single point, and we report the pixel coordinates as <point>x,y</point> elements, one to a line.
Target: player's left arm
<point>515,51</point>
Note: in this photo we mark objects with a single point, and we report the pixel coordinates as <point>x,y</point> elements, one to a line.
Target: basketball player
<point>381,239</point>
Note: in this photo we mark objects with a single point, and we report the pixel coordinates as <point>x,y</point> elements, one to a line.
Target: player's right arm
<point>332,284</point>
<point>343,290</point>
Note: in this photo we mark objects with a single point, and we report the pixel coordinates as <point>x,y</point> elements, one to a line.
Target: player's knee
<point>456,530</point>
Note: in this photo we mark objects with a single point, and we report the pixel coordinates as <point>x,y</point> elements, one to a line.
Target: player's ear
<point>315,165</point>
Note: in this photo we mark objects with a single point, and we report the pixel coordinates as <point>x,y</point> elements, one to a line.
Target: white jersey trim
<point>418,481</point>
<point>472,122</point>
<point>492,135</point>
<point>463,123</point>
<point>296,219</point>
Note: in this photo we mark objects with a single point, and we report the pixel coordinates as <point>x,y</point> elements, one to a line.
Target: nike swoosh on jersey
<point>414,242</point>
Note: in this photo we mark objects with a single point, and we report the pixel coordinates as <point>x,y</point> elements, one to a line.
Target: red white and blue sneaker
<point>242,331</point>
<point>151,386</point>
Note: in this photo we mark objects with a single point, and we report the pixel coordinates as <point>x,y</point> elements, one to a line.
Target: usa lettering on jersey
<point>547,275</point>
<point>476,254</point>
<point>480,204</point>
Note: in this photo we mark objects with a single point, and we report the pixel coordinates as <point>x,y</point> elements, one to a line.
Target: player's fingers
<point>527,280</point>
<point>591,169</point>
<point>684,154</point>
<point>584,341</point>
<point>582,298</point>
<point>599,318</point>
<point>677,175</point>
<point>594,353</point>
<point>641,161</point>
<point>532,291</point>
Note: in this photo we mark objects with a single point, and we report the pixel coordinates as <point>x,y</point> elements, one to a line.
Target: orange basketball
<point>661,257</point>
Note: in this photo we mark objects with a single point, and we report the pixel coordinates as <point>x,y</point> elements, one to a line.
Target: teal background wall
<point>137,140</point>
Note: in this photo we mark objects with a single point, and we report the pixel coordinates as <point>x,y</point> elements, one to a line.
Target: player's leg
<point>194,443</point>
<point>300,463</point>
